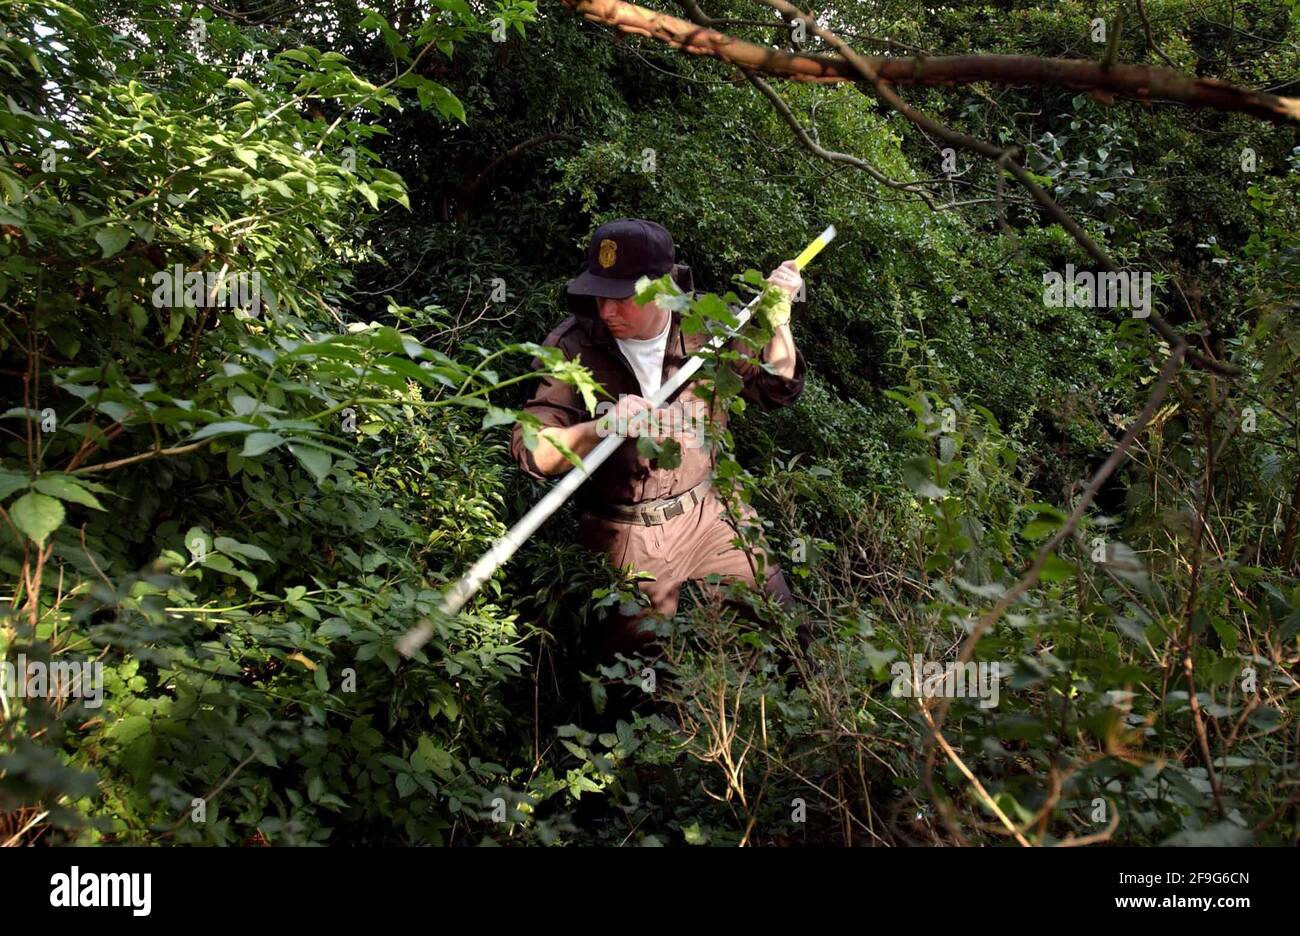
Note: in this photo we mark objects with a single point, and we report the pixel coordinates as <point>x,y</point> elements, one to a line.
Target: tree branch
<point>465,197</point>
<point>1140,82</point>
<point>865,66</point>
<point>821,152</point>
<point>143,456</point>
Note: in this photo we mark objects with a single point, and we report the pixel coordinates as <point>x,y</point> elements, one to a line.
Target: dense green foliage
<point>237,511</point>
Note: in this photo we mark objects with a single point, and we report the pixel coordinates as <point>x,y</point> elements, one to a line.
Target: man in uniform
<point>668,522</point>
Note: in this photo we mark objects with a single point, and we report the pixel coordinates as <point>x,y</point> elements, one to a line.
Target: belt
<point>655,512</point>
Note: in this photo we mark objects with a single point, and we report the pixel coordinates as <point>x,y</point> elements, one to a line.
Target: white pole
<point>508,543</point>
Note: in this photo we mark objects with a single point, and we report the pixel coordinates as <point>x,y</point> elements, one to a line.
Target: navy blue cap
<point>620,253</point>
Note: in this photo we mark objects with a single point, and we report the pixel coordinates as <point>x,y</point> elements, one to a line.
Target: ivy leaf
<point>694,835</point>
<point>37,515</point>
<point>670,454</point>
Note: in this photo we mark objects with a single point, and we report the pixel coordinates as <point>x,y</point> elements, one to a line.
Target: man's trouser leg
<point>713,552</point>
<point>643,548</point>
<point>691,546</point>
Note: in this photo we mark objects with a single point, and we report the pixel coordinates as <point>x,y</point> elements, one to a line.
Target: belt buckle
<point>675,509</point>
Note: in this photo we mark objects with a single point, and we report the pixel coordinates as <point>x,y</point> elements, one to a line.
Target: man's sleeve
<point>764,389</point>
<point>554,403</point>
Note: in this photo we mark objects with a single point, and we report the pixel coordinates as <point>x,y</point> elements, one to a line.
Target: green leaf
<point>11,481</point>
<point>1056,569</point>
<point>297,55</point>
<point>313,459</point>
<point>241,85</point>
<point>1219,835</point>
<point>1051,509</point>
<point>447,103</point>
<point>496,416</point>
<point>24,411</point>
<point>226,427</point>
<point>1132,628</point>
<point>66,488</point>
<point>233,547</point>
<point>198,543</point>
<point>455,6</point>
<point>670,454</point>
<point>728,382</point>
<point>1037,529</point>
<point>693,834</point>
<point>916,474</point>
<point>259,443</point>
<point>37,515</point>
<point>1227,633</point>
<point>112,239</point>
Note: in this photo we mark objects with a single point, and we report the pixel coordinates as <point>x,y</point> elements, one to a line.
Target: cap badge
<point>608,249</point>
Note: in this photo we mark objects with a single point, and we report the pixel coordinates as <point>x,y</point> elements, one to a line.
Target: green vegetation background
<point>238,515</point>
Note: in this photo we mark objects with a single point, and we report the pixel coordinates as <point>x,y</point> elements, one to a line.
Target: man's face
<point>625,319</point>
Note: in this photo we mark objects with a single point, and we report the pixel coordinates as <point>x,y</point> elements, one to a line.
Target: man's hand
<point>633,417</point>
<point>787,279</point>
<point>779,352</point>
<point>628,417</point>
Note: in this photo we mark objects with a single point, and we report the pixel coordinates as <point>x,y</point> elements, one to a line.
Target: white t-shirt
<point>647,358</point>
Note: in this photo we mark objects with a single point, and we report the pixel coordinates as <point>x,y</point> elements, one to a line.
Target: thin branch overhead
<point>1137,82</point>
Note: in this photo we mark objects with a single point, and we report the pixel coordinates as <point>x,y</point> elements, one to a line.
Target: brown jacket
<point>626,477</point>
